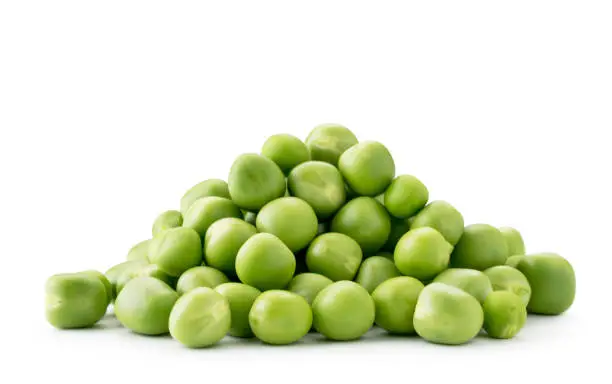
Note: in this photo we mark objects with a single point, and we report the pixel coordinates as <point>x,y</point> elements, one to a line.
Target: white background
<point>110,110</point>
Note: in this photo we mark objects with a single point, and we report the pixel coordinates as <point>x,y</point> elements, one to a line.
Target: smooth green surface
<point>375,270</point>
<point>290,219</point>
<point>366,221</point>
<point>474,282</point>
<point>506,278</point>
<point>326,142</point>
<point>368,168</point>
<point>210,187</point>
<point>176,250</point>
<point>343,310</point>
<point>205,211</point>
<point>115,273</point>
<point>308,285</point>
<point>280,317</point>
<point>422,253</point>
<point>395,301</point>
<point>200,318</point>
<point>254,181</point>
<point>200,276</point>
<point>406,196</point>
<point>399,227</point>
<point>223,240</point>
<point>287,151</point>
<point>167,220</point>
<point>334,255</point>
<point>265,262</point>
<point>139,251</point>
<point>447,315</point>
<point>108,286</point>
<point>144,305</point>
<point>240,298</point>
<point>150,270</point>
<point>442,217</point>
<point>513,261</point>
<point>514,241</point>
<point>481,246</point>
<point>504,315</point>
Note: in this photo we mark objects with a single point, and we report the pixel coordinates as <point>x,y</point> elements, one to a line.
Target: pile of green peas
<point>317,236</point>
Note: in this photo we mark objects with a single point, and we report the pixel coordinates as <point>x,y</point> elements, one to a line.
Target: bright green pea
<point>395,301</point>
<point>139,251</point>
<point>290,219</point>
<point>115,273</point>
<point>150,270</point>
<point>107,284</point>
<point>375,270</point>
<point>327,142</point>
<point>442,217</point>
<point>481,246</point>
<point>506,278</point>
<point>335,256</point>
<point>504,314</point>
<point>200,277</point>
<point>474,282</point>
<point>205,211</point>
<point>406,196</point>
<point>211,187</point>
<point>514,241</point>
<point>422,253</point>
<point>399,227</point>
<point>367,167</point>
<point>254,181</point>
<point>176,250</point>
<point>166,220</point>
<point>240,298</point>
<point>287,151</point>
<point>308,285</point>
<point>223,240</point>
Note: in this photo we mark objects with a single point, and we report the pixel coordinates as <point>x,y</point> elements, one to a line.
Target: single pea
<point>326,142</point>
<point>144,305</point>
<point>139,251</point>
<point>367,167</point>
<point>504,314</point>
<point>280,317</point>
<point>166,220</point>
<point>513,261</point>
<point>250,217</point>
<point>335,256</point>
<point>308,285</point>
<point>107,284</point>
<point>374,270</point>
<point>115,273</point>
<point>176,250</point>
<point>210,187</point>
<point>422,253</point>
<point>366,221</point>
<point>205,211</point>
<point>442,217</point>
<point>290,219</point>
<point>200,318</point>
<point>265,262</point>
<point>406,196</point>
<point>399,227</point>
<point>514,241</point>
<point>240,298</point>
<point>223,240</point>
<point>254,181</point>
<point>200,277</point>
<point>319,184</point>
<point>481,246</point>
<point>343,310</point>
<point>447,315</point>
<point>287,151</point>
<point>74,300</point>
<point>505,278</point>
<point>552,280</point>
<point>150,270</point>
<point>474,282</point>
<point>395,300</point>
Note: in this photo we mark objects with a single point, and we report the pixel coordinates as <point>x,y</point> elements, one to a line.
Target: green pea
<point>290,219</point>
<point>504,314</point>
<point>205,211</point>
<point>335,256</point>
<point>505,278</point>
<point>343,310</point>
<point>254,181</point>
<point>422,253</point>
<point>150,270</point>
<point>406,196</point>
<point>200,318</point>
<point>200,277</point>
<point>482,246</point>
<point>75,300</point>
<point>552,281</point>
<point>399,227</point>
<point>308,285</point>
<point>107,284</point>
<point>447,315</point>
<point>176,250</point>
<point>513,261</point>
<point>367,167</point>
<point>265,262</point>
<point>211,187</point>
<point>223,240</point>
<point>395,301</point>
<point>327,142</point>
<point>144,305</point>
<point>287,151</point>
<point>115,273</point>
<point>375,270</point>
<point>514,241</point>
<point>240,298</point>
<point>139,251</point>
<point>474,282</point>
<point>250,217</point>
<point>166,220</point>
<point>366,221</point>
<point>280,317</point>
<point>442,217</point>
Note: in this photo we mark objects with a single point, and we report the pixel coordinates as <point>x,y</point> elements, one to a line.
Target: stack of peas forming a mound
<point>322,236</point>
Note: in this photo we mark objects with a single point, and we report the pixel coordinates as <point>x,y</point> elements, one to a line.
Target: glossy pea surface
<point>254,181</point>
<point>210,187</point>
<point>443,217</point>
<point>223,240</point>
<point>481,246</point>
<point>326,142</point>
<point>207,210</point>
<point>176,250</point>
<point>374,270</point>
<point>290,219</point>
<point>334,255</point>
<point>287,151</point>
<point>368,168</point>
<point>395,302</point>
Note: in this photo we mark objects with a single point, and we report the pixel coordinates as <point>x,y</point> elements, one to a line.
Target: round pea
<point>471,281</point>
<point>505,278</point>
<point>211,187</point>
<point>447,315</point>
<point>115,273</point>
<point>280,317</point>
<point>254,181</point>
<point>481,246</point>
<point>166,220</point>
<point>514,241</point>
<point>308,285</point>
<point>144,305</point>
<point>240,298</point>
<point>327,142</point>
<point>504,314</point>
<point>343,310</point>
<point>223,240</point>
<point>367,167</point>
<point>107,284</point>
<point>150,270</point>
<point>395,301</point>
<point>422,253</point>
<point>335,256</point>
<point>287,151</point>
<point>366,221</point>
<point>290,219</point>
<point>200,277</point>
<point>176,250</point>
<point>399,227</point>
<point>513,261</point>
<point>375,270</point>
<point>265,262</point>
<point>139,251</point>
<point>205,211</point>
<point>405,196</point>
<point>442,217</point>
